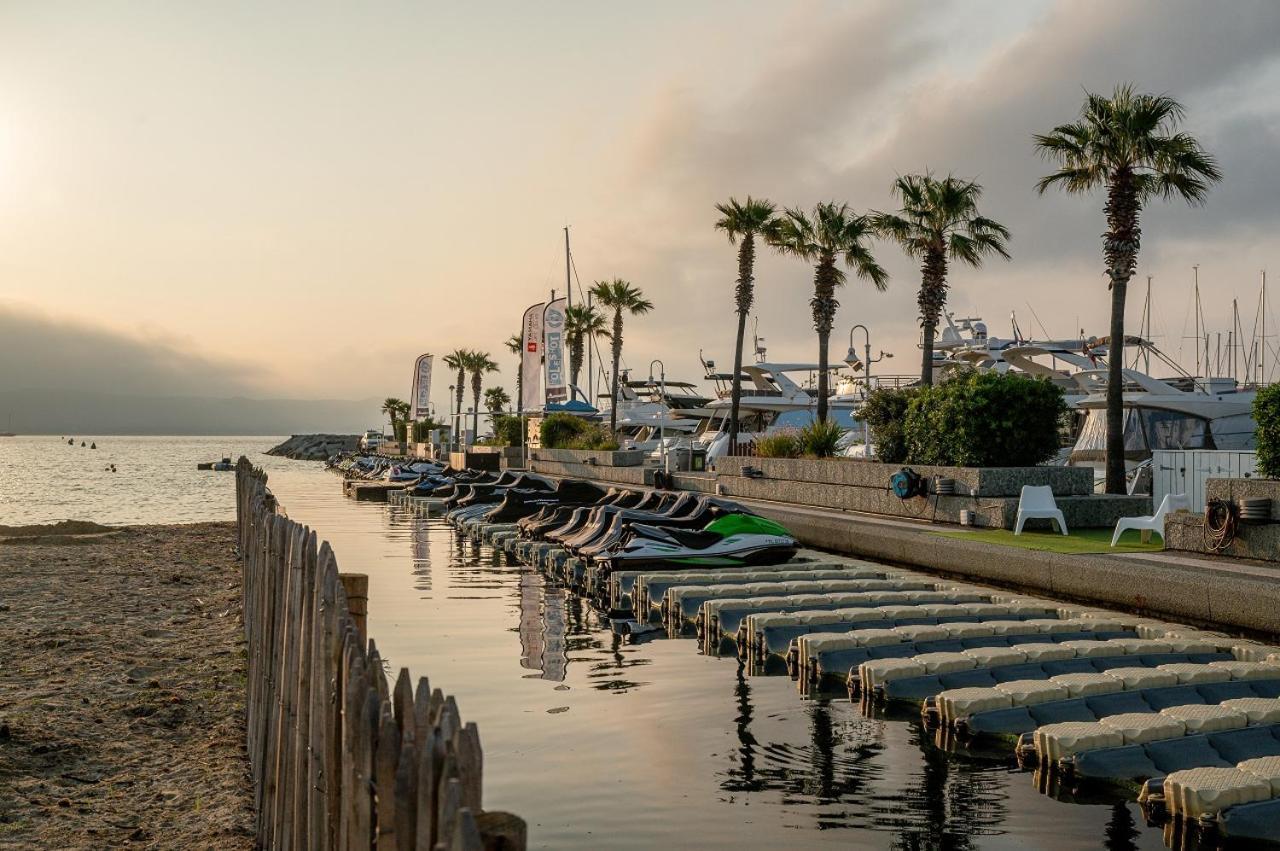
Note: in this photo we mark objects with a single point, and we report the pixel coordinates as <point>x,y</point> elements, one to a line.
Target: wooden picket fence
<point>339,759</point>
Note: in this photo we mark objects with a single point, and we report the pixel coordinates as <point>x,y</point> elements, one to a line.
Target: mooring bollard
<point>356,587</point>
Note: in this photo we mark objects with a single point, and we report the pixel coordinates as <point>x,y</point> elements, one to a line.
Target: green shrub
<point>506,431</point>
<point>596,437</point>
<point>558,430</point>
<point>781,444</point>
<point>819,439</point>
<point>984,419</point>
<point>1266,412</point>
<point>565,431</point>
<point>885,412</point>
<point>400,428</point>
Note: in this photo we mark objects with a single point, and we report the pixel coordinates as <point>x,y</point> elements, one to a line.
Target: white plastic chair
<point>1155,523</point>
<point>1037,501</point>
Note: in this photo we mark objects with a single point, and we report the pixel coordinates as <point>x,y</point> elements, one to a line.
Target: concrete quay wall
<point>1229,595</point>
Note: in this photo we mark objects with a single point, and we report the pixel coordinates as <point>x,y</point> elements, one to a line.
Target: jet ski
<point>728,541</point>
<point>519,502</point>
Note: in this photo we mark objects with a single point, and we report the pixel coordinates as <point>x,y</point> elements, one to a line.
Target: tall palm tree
<point>831,234</point>
<point>478,363</point>
<point>582,323</point>
<point>1129,144</point>
<point>939,222</point>
<point>619,296</point>
<point>742,222</point>
<point>515,345</point>
<point>457,359</point>
<point>496,400</point>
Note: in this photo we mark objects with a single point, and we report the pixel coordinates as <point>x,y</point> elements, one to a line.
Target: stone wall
<point>1092,511</point>
<point>971,481</point>
<point>1185,531</point>
<point>636,476</point>
<point>600,457</point>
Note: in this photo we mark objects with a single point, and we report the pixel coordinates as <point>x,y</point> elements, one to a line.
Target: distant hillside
<point>68,412</point>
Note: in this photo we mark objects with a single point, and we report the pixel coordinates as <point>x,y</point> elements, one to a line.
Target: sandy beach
<point>122,689</point>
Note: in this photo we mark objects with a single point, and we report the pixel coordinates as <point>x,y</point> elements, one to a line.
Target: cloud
<point>837,108</point>
<point>39,352</point>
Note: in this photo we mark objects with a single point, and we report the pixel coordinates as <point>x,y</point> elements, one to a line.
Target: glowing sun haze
<point>301,197</point>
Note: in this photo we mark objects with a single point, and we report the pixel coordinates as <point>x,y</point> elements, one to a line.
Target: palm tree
<point>496,400</point>
<point>742,222</point>
<point>396,410</point>
<point>939,222</point>
<point>1129,144</point>
<point>478,363</point>
<point>515,345</point>
<point>581,323</point>
<point>457,359</point>
<point>619,296</point>
<point>833,233</point>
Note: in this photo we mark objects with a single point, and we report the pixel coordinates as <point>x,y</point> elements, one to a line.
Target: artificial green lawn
<point>1080,541</point>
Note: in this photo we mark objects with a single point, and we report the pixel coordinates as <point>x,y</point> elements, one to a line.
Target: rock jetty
<point>316,447</point>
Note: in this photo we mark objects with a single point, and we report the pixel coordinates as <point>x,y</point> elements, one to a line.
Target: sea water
<point>596,742</point>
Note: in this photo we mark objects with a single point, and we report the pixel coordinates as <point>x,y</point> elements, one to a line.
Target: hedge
<point>1266,412</point>
<point>984,419</point>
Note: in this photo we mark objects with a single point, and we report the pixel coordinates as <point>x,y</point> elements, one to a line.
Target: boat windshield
<point>799,419</point>
<point>1146,429</point>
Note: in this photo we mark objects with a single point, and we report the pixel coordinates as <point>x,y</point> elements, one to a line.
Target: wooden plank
<point>466,742</point>
<point>450,803</point>
<point>307,625</point>
<point>430,764</point>
<point>353,708</point>
<point>466,836</point>
<point>406,806</point>
<point>402,700</point>
<point>369,719</point>
<point>386,756</point>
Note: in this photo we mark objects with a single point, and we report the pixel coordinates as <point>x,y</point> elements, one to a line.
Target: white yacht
<point>772,399</point>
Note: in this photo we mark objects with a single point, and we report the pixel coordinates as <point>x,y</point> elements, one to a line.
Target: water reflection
<point>607,743</point>
<point>542,626</point>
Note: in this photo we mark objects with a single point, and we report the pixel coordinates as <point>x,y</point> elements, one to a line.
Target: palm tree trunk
<point>476,380</point>
<point>1120,248</point>
<point>824,306</point>
<point>461,391</point>
<point>932,298</point>
<point>743,296</point>
<point>736,393</point>
<point>575,358</point>
<point>617,362</point>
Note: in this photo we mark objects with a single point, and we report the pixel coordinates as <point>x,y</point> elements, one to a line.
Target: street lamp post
<point>852,360</point>
<point>662,431</point>
<point>453,422</point>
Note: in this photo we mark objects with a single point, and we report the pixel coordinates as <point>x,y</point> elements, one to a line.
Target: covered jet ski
<point>729,540</point>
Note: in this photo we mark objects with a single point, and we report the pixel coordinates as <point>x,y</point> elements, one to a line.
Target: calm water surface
<point>597,743</point>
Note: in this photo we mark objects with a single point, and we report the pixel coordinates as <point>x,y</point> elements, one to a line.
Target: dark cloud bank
<point>65,378</point>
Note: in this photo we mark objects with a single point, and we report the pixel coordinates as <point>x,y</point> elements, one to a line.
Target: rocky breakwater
<point>316,447</point>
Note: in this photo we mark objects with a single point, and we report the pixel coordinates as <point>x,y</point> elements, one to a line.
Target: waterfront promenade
<point>122,690</point>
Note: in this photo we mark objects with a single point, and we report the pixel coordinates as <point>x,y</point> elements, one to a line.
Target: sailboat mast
<point>1196,271</point>
<point>568,281</point>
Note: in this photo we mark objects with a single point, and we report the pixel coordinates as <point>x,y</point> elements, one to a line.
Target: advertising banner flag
<point>553,352</point>
<point>421,394</point>
<point>531,359</point>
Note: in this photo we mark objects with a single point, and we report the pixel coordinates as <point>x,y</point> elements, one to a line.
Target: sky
<point>293,200</point>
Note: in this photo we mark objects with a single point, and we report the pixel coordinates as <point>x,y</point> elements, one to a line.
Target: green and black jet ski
<point>728,541</point>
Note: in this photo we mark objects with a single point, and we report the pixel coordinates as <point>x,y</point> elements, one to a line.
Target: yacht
<point>772,399</point>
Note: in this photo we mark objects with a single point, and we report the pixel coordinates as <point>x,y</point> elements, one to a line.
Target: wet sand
<point>122,689</point>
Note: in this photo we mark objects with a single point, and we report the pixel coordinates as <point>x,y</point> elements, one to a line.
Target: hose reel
<point>907,483</point>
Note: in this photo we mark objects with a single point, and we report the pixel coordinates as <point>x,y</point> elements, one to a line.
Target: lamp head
<point>852,359</point>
